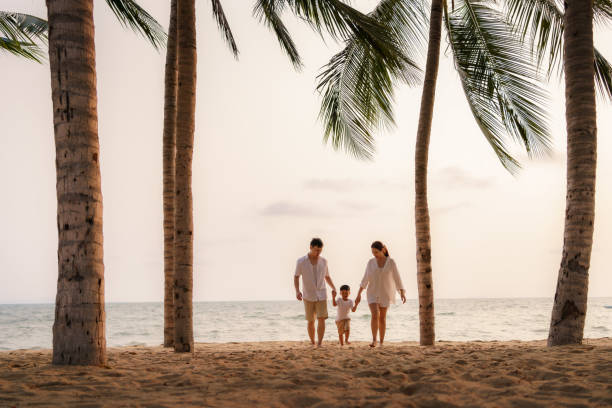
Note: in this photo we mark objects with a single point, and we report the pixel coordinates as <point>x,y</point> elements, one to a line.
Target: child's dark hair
<point>381,247</point>
<point>345,287</point>
<point>316,242</point>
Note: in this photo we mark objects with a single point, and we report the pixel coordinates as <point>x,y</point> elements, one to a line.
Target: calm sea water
<point>29,326</point>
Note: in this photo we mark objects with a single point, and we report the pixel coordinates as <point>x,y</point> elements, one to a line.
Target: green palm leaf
<point>541,23</point>
<point>268,12</point>
<point>130,14</point>
<point>358,82</point>
<point>498,79</point>
<point>223,25</point>
<point>21,33</point>
<point>603,75</point>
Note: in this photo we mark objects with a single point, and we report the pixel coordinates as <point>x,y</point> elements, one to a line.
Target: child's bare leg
<point>346,336</point>
<point>340,335</point>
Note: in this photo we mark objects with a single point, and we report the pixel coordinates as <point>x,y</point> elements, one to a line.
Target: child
<point>345,305</point>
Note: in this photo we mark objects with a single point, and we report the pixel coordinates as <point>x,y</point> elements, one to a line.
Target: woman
<point>382,279</point>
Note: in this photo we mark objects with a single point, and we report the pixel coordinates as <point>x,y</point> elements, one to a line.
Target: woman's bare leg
<point>374,322</point>
<point>346,336</point>
<point>382,323</point>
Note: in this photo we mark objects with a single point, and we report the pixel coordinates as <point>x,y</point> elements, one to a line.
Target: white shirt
<point>313,278</point>
<point>344,307</point>
<point>381,282</point>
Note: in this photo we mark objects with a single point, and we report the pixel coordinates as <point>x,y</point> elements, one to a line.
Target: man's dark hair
<point>345,287</point>
<point>316,242</point>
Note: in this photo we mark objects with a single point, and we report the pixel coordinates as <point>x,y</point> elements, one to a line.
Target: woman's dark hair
<point>316,242</point>
<point>381,247</point>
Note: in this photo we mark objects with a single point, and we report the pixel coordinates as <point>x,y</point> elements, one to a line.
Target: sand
<point>294,374</point>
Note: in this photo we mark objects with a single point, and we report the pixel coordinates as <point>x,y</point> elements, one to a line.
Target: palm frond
<point>341,21</point>
<point>499,80</point>
<point>130,14</point>
<point>603,75</point>
<point>541,23</point>
<point>268,12</point>
<point>602,11</point>
<point>358,82</point>
<point>20,34</point>
<point>223,25</point>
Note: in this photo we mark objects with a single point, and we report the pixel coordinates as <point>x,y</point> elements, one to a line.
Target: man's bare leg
<point>320,330</point>
<point>311,332</point>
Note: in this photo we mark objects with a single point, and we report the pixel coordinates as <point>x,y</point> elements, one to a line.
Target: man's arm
<point>329,281</point>
<point>296,283</point>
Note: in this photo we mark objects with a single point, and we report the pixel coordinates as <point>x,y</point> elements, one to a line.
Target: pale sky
<point>264,183</point>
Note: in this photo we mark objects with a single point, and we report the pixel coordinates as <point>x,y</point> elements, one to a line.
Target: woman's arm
<point>398,282</point>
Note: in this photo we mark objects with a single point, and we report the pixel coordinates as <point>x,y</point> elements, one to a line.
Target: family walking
<point>381,280</point>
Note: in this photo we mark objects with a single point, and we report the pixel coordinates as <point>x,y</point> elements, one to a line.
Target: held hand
<point>334,293</point>
<point>298,295</point>
<point>403,295</point>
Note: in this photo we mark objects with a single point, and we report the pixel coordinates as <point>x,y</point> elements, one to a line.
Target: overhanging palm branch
<point>223,25</point>
<point>268,12</point>
<point>541,23</point>
<point>500,83</point>
<point>130,14</point>
<point>22,34</point>
<point>358,83</point>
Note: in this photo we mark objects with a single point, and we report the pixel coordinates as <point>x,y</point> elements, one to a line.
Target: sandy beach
<point>278,374</point>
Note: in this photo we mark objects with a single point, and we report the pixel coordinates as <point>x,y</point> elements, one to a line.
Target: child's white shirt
<point>344,307</point>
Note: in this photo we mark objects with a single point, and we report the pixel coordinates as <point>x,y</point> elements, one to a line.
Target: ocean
<point>29,326</point>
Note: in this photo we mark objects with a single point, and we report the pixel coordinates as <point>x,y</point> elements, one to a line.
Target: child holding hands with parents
<point>345,306</point>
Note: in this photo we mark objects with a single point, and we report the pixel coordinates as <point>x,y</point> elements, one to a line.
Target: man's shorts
<point>343,325</point>
<point>315,308</point>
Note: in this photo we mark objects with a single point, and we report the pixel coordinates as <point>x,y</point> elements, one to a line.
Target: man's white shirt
<point>313,278</point>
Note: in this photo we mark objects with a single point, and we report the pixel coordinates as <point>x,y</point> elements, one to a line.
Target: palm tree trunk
<point>169,152</point>
<point>569,309</point>
<point>78,330</point>
<point>423,237</point>
<point>183,244</point>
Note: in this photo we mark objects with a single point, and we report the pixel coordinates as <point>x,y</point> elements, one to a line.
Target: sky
<point>264,183</point>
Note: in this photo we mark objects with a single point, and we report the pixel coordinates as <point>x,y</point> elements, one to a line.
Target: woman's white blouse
<point>381,283</point>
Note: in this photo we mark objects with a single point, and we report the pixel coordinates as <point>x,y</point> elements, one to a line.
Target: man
<point>313,270</point>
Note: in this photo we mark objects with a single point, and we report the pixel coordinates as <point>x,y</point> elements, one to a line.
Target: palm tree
<point>79,327</point>
<point>497,78</point>
<point>550,30</point>
<point>169,148</point>
<point>332,16</point>
<point>20,34</point>
<point>169,158</point>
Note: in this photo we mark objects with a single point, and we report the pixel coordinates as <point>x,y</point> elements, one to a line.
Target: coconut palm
<point>79,327</point>
<point>565,38</point>
<point>498,80</point>
<point>330,16</point>
<point>169,157</point>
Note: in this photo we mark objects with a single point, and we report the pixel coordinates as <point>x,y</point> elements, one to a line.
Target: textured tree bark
<point>79,327</point>
<point>169,153</point>
<point>423,237</point>
<point>569,309</point>
<point>183,240</point>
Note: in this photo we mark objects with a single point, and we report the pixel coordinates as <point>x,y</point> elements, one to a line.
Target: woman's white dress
<point>381,283</point>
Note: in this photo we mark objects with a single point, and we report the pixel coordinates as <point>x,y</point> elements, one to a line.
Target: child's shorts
<point>343,325</point>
